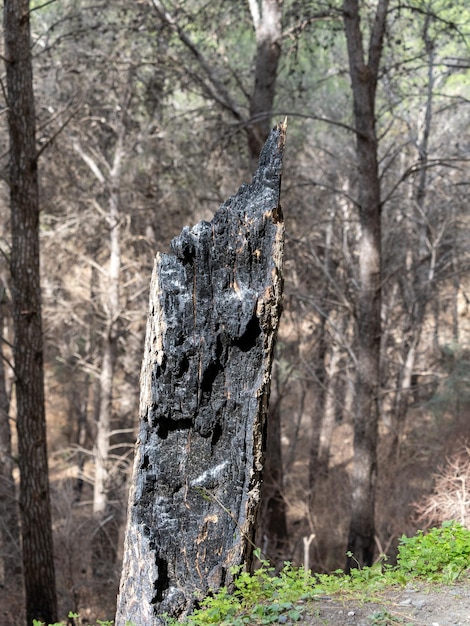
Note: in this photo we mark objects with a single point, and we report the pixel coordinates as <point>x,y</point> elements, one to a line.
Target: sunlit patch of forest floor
<point>417,604</point>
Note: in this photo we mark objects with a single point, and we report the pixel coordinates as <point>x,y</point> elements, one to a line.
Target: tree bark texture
<point>38,559</point>
<point>10,558</point>
<point>214,313</point>
<point>266,16</point>
<point>364,77</point>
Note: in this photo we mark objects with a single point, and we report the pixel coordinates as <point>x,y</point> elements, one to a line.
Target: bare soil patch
<point>416,605</point>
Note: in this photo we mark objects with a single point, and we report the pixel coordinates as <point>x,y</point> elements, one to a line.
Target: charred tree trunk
<point>36,526</point>
<point>214,313</point>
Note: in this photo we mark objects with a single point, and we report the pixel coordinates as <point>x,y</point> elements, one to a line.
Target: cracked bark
<point>28,349</point>
<point>214,313</point>
<point>364,73</point>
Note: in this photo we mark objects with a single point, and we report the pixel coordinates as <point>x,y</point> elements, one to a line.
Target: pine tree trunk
<point>214,313</point>
<point>38,558</point>
<point>364,71</point>
<point>267,18</point>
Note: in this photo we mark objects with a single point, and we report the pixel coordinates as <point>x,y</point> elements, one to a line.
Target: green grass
<point>74,616</point>
<point>441,555</point>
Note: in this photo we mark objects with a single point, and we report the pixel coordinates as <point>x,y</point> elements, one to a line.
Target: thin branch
<point>300,26</point>
<point>376,38</point>
<point>336,331</point>
<point>216,88</point>
<point>7,361</point>
<point>416,168</point>
<point>90,162</point>
<point>3,87</point>
<point>283,113</point>
<point>41,6</point>
<point>62,127</point>
<point>333,190</point>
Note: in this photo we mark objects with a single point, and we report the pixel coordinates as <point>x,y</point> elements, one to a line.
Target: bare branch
<point>214,86</point>
<point>54,136</point>
<point>41,6</point>
<point>309,116</point>
<point>90,162</point>
<point>377,37</point>
<point>255,12</point>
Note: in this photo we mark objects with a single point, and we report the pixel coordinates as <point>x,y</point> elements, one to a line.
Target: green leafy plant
<point>258,598</point>
<point>74,616</point>
<point>384,618</point>
<point>440,554</point>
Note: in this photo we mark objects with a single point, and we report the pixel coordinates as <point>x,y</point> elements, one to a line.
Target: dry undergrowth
<point>450,498</point>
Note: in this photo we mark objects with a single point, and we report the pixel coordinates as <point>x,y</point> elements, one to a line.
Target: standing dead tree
<point>214,313</point>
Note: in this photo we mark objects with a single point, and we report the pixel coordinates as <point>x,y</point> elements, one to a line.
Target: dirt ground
<point>416,605</point>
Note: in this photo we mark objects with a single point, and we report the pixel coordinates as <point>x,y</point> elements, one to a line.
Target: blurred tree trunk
<point>266,16</point>
<point>214,313</point>
<point>10,551</point>
<point>80,399</point>
<point>364,76</point>
<point>323,422</point>
<point>272,533</point>
<point>38,558</point>
<point>110,335</point>
<point>423,258</point>
<point>111,311</point>
<point>324,367</point>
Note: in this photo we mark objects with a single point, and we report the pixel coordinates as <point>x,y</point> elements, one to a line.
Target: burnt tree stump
<point>215,304</point>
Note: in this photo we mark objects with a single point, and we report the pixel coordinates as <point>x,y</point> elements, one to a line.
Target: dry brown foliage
<point>450,498</point>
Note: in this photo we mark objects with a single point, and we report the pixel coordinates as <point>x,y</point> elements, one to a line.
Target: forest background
<point>149,115</point>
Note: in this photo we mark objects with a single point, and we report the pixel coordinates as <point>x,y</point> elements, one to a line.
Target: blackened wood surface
<point>214,312</point>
